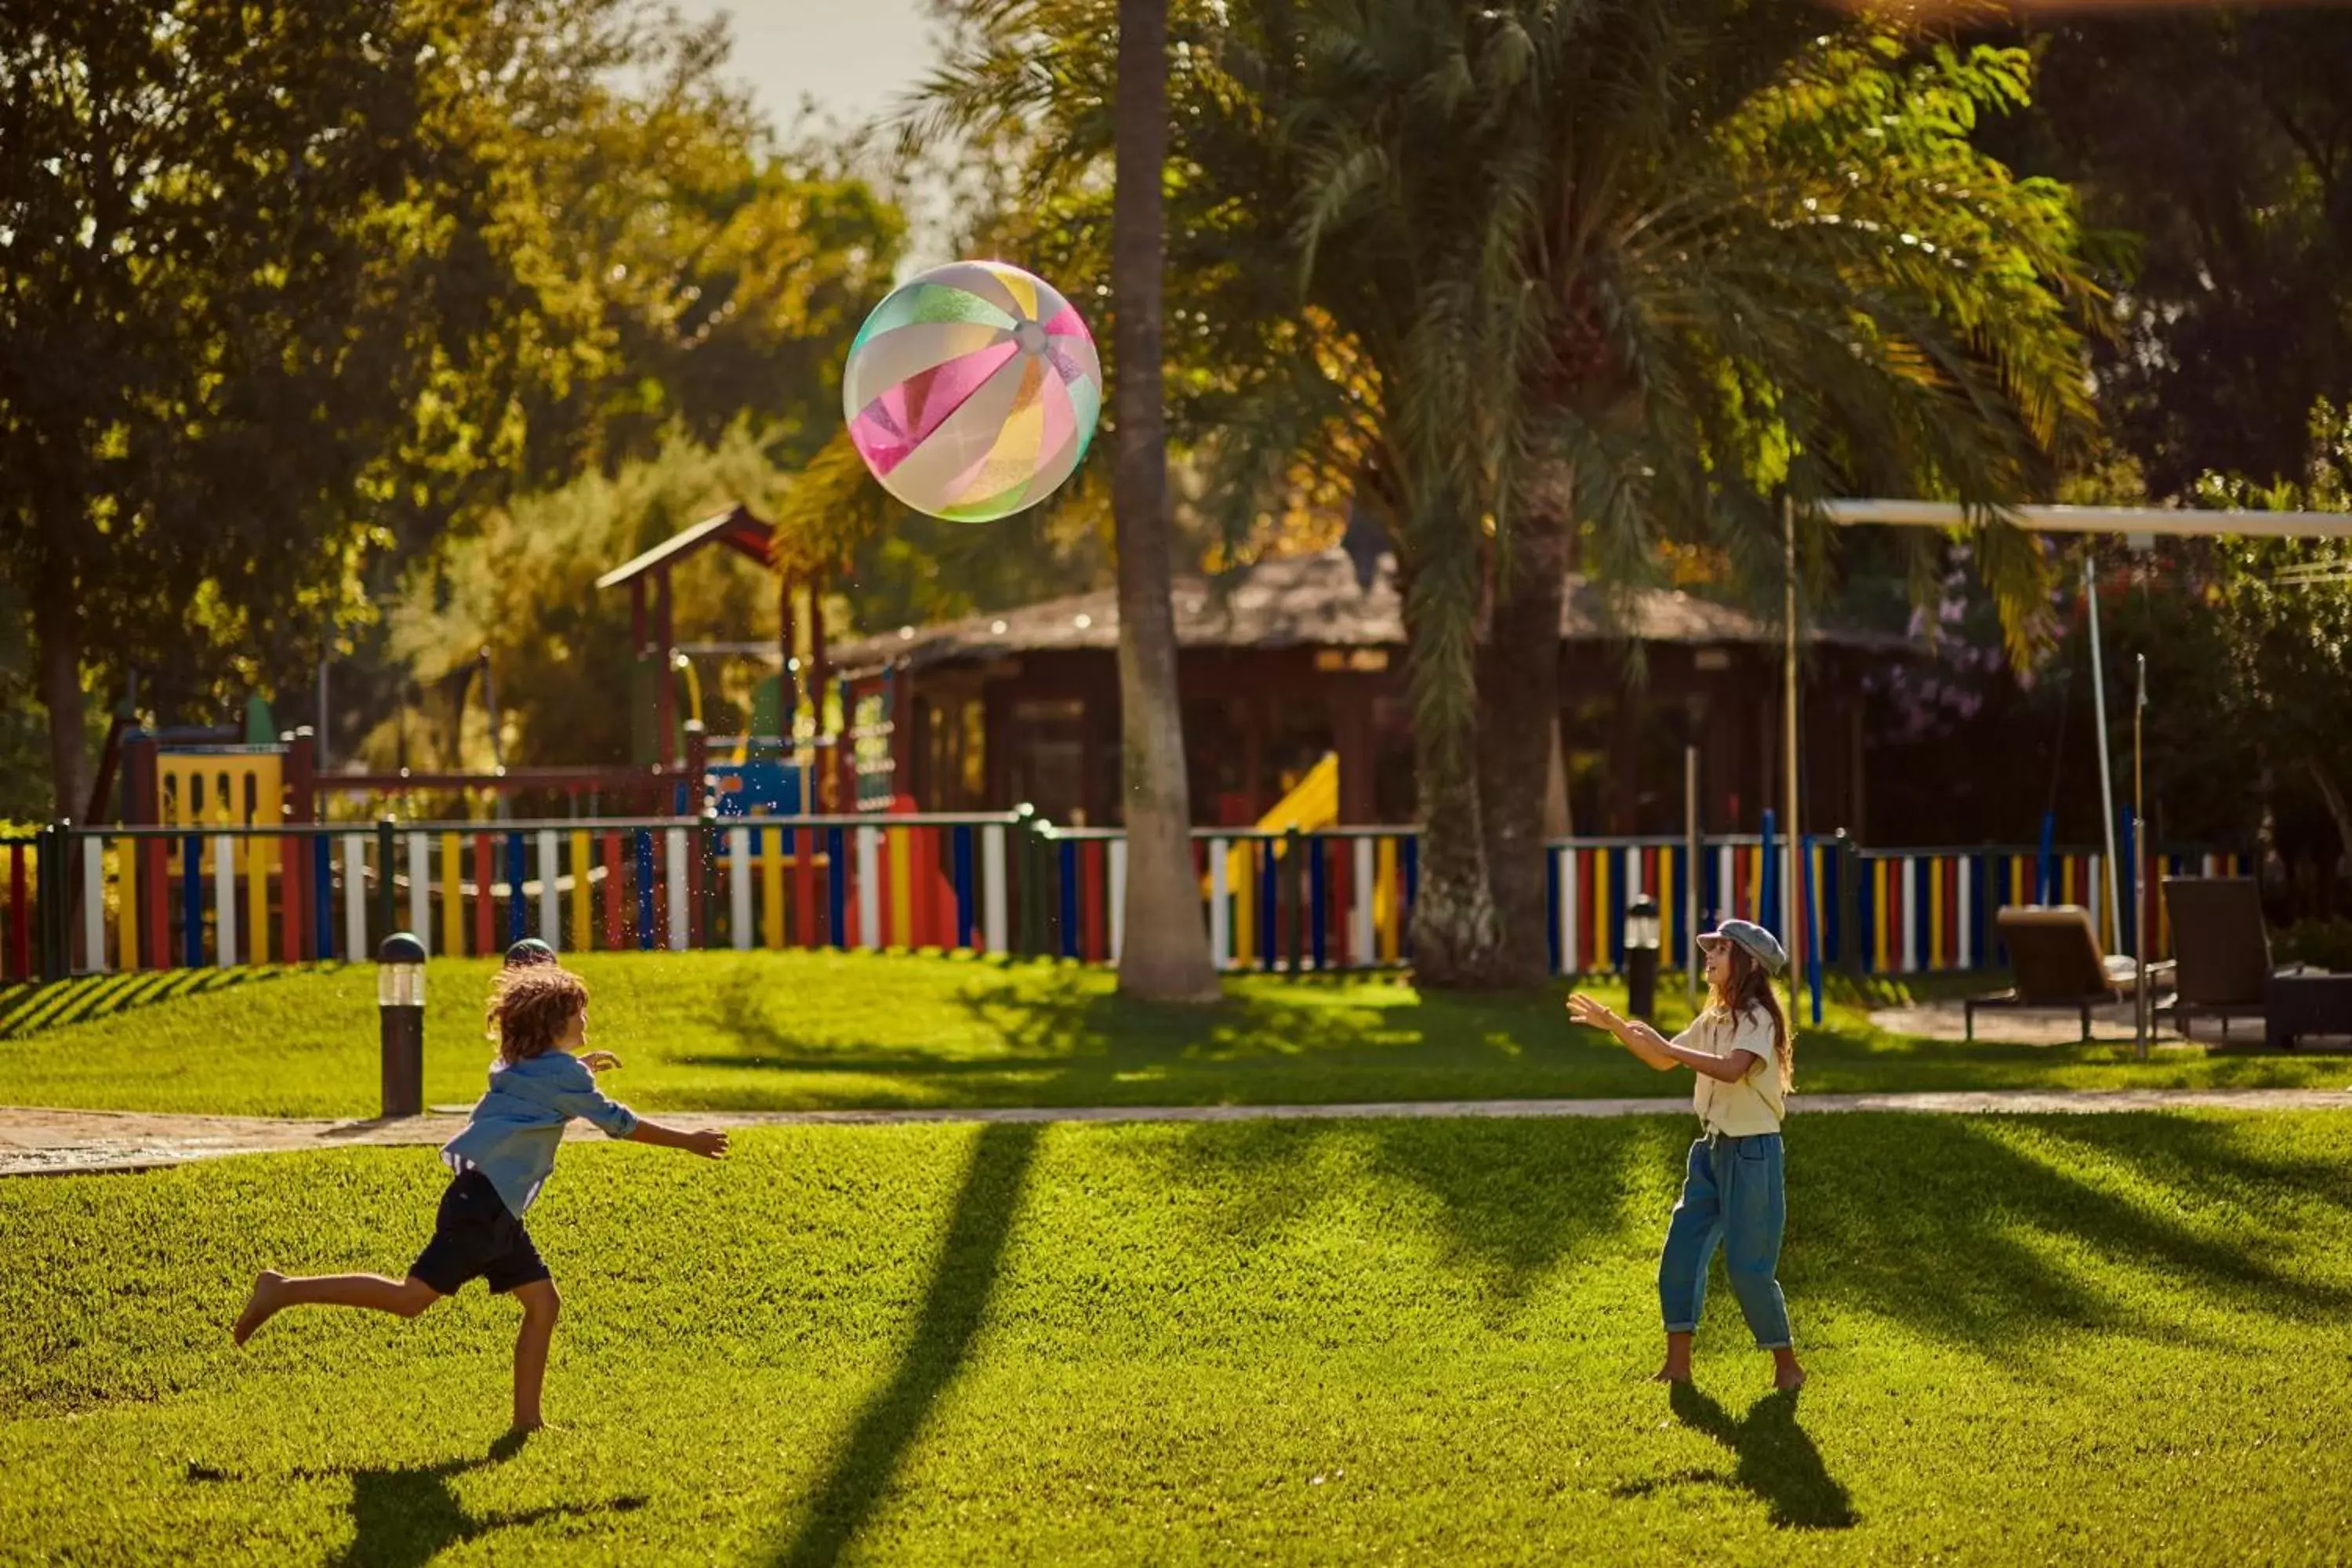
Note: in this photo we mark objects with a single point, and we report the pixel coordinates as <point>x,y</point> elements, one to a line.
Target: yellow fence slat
<point>453,898</point>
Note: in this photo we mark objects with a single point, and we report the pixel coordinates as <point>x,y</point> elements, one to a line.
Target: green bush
<point>2324,945</point>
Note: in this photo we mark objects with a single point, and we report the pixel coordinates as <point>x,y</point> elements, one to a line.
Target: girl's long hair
<point>1741,989</point>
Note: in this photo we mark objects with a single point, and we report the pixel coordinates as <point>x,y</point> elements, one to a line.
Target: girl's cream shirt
<point>1753,1104</point>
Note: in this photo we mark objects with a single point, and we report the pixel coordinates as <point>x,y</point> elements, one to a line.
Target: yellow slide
<point>1313,804</point>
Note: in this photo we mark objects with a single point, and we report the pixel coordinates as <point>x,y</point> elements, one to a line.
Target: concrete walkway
<point>67,1143</point>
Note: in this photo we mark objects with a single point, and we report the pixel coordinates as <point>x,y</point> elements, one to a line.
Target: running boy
<point>540,1080</point>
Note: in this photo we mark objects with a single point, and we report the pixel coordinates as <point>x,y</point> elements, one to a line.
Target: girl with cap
<point>1739,1048</point>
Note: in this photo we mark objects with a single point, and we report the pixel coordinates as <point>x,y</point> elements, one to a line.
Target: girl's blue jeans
<point>1731,1198</point>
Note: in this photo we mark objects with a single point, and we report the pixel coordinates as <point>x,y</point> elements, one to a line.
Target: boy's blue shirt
<point>512,1135</point>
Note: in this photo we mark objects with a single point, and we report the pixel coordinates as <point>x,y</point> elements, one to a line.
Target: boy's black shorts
<point>476,1238</point>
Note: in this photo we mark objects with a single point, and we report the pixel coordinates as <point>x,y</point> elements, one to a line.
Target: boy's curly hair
<point>531,1005</point>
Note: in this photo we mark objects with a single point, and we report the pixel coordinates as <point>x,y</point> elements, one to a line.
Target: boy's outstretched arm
<point>710,1143</point>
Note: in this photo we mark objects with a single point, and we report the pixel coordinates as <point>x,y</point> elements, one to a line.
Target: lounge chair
<point>2053,953</point>
<point>2223,951</point>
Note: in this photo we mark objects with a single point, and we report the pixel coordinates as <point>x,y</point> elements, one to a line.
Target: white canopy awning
<point>2102,518</point>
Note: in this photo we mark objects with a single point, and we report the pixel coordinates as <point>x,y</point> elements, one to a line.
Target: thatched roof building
<point>1292,657</point>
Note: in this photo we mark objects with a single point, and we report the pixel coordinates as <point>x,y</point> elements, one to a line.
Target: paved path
<point>61,1142</point>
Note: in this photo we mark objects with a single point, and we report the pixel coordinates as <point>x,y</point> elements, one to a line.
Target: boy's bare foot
<point>261,1306</point>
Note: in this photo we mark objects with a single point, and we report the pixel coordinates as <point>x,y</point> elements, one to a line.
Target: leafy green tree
<point>521,589</point>
<point>294,292</point>
<point>205,308</point>
<point>2282,610</point>
<point>2215,144</point>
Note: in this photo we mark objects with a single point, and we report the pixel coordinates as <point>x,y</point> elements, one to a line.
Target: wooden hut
<point>1294,657</point>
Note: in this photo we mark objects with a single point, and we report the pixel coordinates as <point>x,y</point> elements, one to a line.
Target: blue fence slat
<point>1065,867</point>
<point>1919,923</point>
<point>192,900</point>
<point>645,890</point>
<point>1318,902</point>
<point>967,906</point>
<point>323,882</point>
<point>1613,931</point>
<point>838,884</point>
<point>1269,907</point>
<point>1551,911</point>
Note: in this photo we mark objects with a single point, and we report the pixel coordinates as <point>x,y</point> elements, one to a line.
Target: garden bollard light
<point>400,1003</point>
<point>1642,957</point>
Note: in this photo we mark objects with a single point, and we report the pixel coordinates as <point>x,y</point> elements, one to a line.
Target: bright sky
<point>855,57</point>
<point>856,61</point>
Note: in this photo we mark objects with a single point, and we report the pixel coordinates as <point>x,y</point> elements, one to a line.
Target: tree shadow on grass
<point>1773,1459</point>
<point>1954,1228</point>
<point>1507,1201</point>
<point>2210,1155</point>
<point>403,1516</point>
<point>27,1010</point>
<point>945,1328</point>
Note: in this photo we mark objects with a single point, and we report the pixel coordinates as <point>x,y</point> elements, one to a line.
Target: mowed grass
<point>2116,1338</point>
<point>809,1031</point>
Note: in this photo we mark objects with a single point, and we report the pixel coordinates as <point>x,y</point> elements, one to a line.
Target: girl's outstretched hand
<point>600,1061</point>
<point>1592,1013</point>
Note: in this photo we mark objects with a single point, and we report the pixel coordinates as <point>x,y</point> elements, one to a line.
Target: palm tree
<point>1548,283</point>
<point>1165,954</point>
<point>1628,272</point>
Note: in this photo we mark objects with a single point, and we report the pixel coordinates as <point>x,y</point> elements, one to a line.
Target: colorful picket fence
<point>113,900</point>
<point>1918,911</point>
<point>1277,901</point>
<point>132,899</point>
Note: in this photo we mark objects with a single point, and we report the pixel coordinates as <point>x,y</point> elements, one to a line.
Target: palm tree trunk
<point>1165,954</point>
<point>1519,704</point>
<point>58,641</point>
<point>1456,936</point>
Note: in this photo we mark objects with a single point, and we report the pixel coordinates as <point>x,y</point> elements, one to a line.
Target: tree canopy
<point>292,292</point>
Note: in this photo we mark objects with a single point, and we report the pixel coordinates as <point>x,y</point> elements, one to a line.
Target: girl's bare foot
<point>1670,1372</point>
<point>1678,1354</point>
<point>1787,1376</point>
<point>261,1306</point>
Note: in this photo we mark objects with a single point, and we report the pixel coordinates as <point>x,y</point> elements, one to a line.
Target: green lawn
<point>2117,1338</point>
<point>789,1031</point>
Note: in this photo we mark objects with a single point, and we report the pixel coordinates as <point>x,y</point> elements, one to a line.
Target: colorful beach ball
<point>971,391</point>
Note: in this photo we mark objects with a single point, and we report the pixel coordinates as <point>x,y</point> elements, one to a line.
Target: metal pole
<point>2140,944</point>
<point>2106,774</point>
<point>1691,852</point>
<point>1788,902</point>
<point>499,806</point>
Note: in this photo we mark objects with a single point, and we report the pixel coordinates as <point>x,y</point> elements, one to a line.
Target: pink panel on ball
<point>921,403</point>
